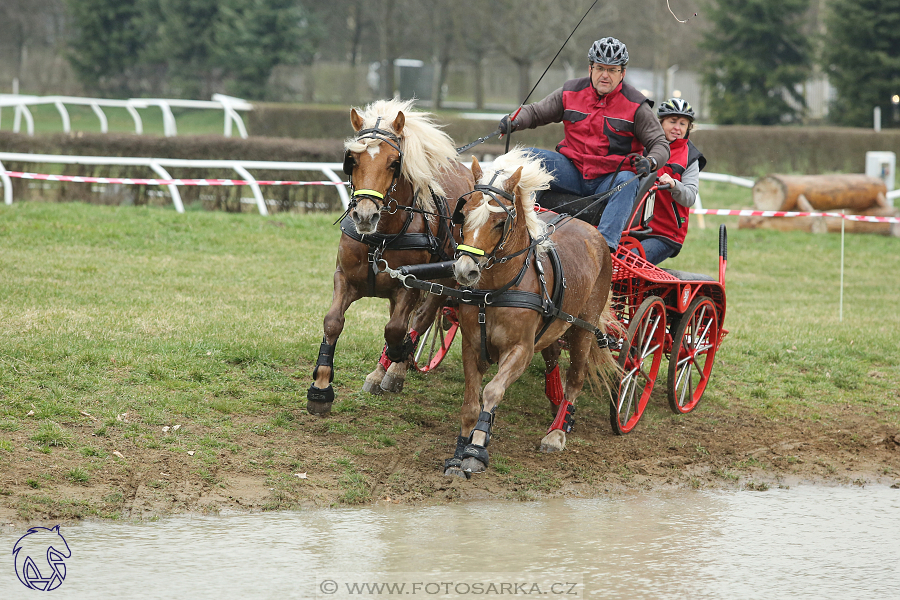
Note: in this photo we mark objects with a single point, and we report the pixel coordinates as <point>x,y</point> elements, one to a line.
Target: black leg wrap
<point>319,401</point>
<point>401,352</point>
<point>326,359</point>
<point>476,451</point>
<point>456,461</point>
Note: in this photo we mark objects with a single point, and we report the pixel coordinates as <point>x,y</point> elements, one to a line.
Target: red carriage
<point>660,312</point>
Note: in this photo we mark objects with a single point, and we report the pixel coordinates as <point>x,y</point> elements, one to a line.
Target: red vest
<point>670,219</point>
<point>599,130</point>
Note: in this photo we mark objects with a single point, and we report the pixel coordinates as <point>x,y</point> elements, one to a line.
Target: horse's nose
<point>466,271</point>
<point>365,223</point>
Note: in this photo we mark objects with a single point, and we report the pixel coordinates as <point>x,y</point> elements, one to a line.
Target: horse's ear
<point>399,122</point>
<point>355,120</point>
<point>510,184</point>
<point>476,169</point>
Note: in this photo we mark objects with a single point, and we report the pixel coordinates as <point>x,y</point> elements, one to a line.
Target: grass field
<point>200,317</point>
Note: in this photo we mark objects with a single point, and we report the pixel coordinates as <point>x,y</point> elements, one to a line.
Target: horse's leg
<point>511,366</point>
<point>372,384</point>
<point>564,421</point>
<point>553,387</point>
<point>422,318</point>
<point>320,395</point>
<point>473,370</point>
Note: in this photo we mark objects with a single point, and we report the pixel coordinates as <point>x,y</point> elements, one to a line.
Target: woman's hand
<point>667,179</point>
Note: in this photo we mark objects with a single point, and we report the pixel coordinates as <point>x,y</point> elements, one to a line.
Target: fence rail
<point>158,166</point>
<point>227,104</point>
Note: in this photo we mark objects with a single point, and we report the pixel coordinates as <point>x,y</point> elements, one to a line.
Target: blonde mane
<point>534,178</point>
<point>426,149</point>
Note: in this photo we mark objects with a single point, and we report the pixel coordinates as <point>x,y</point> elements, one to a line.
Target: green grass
<point>201,318</point>
<point>188,121</point>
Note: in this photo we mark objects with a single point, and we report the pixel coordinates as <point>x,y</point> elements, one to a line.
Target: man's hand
<point>643,165</point>
<point>666,179</point>
<point>506,125</point>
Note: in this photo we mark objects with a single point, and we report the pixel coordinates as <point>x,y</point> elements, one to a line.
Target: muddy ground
<point>317,462</point>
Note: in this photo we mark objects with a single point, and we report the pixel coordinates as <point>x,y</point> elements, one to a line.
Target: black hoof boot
<point>475,459</point>
<point>453,466</point>
<point>319,401</point>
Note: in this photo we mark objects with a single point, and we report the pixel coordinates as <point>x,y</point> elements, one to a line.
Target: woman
<point>682,173</point>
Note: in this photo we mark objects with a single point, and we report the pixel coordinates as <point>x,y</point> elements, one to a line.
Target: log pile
<point>854,194</point>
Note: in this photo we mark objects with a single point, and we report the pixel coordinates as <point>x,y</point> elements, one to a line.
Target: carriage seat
<point>686,276</point>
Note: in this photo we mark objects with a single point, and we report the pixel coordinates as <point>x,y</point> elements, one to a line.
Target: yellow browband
<point>378,195</point>
<point>470,249</point>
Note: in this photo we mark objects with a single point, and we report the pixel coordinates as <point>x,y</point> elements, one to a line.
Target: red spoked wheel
<point>640,358</point>
<point>694,345</point>
<point>435,342</point>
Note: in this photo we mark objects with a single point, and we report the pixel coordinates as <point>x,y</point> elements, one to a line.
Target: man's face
<point>605,78</point>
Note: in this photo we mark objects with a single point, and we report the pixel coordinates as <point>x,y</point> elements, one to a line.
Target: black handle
<point>439,270</point>
<point>723,241</point>
<point>663,186</point>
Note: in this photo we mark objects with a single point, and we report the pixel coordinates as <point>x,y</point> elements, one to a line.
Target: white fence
<point>158,166</point>
<point>227,104</point>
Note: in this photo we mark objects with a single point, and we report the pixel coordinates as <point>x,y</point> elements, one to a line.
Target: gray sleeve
<point>651,135</point>
<point>685,192</point>
<point>542,112</point>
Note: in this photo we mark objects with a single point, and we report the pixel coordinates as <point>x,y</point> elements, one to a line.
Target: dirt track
<point>306,466</point>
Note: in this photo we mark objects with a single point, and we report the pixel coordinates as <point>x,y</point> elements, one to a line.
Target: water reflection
<point>803,542</point>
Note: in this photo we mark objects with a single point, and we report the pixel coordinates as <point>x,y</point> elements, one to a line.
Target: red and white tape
<point>779,213</point>
<point>132,181</point>
<point>237,182</point>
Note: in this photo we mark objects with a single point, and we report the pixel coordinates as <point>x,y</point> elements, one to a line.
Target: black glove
<point>506,125</point>
<point>643,165</point>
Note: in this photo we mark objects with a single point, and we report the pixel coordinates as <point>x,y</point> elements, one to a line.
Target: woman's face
<point>675,127</point>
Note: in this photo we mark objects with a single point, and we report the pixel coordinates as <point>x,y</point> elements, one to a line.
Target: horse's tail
<point>605,371</point>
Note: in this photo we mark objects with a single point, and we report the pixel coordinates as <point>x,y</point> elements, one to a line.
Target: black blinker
<point>458,216</point>
<point>349,163</point>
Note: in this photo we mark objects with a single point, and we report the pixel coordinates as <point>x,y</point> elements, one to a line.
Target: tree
<point>253,36</point>
<point>759,58</point>
<point>862,59</point>
<point>109,43</point>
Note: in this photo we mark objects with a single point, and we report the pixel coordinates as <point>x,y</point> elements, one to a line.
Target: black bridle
<point>382,201</point>
<point>458,219</point>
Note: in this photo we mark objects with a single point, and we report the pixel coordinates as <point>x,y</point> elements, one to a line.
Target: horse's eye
<point>499,225</point>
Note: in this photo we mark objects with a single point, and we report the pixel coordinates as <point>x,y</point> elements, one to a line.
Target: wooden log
<point>824,192</point>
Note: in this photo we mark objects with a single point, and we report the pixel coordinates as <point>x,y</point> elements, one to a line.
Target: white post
<point>699,205</point>
<point>841,302</point>
<point>104,124</point>
<point>257,193</point>
<point>7,185</point>
<point>138,124</point>
<point>173,189</point>
<point>66,123</point>
<point>341,189</point>
<point>876,117</point>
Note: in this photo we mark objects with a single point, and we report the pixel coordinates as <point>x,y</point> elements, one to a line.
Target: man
<point>682,174</point>
<point>605,120</point>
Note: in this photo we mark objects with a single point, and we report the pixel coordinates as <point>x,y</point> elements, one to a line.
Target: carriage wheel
<point>639,358</point>
<point>694,346</point>
<point>435,342</point>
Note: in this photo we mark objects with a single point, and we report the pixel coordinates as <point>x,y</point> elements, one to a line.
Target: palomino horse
<point>536,276</point>
<point>401,167</point>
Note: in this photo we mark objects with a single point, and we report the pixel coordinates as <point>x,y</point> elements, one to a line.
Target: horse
<point>401,166</point>
<point>39,557</point>
<point>537,275</point>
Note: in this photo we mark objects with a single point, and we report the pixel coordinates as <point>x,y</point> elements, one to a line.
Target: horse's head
<point>488,216</point>
<point>374,162</point>
<point>498,218</point>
